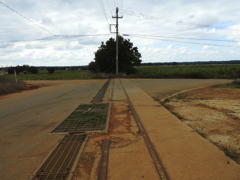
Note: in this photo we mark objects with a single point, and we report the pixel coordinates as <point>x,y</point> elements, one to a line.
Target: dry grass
<point>8,86</point>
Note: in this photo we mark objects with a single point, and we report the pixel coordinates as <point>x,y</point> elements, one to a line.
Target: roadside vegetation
<point>163,71</point>
<point>189,71</point>
<point>61,74</point>
<point>234,85</point>
<point>8,86</point>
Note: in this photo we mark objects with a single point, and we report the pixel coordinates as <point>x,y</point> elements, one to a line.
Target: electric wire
<point>27,19</point>
<point>184,41</point>
<point>189,38</point>
<point>103,9</point>
<point>109,7</point>
<point>121,7</point>
<point>54,39</point>
<point>55,23</point>
<point>157,18</point>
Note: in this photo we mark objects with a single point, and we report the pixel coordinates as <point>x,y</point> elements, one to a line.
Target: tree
<point>51,70</point>
<point>105,57</point>
<point>33,70</point>
<point>23,69</point>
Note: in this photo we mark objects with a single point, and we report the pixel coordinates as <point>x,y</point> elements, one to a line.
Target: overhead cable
<point>183,41</point>
<point>27,18</point>
<point>103,9</point>
<point>52,38</point>
<point>109,8</point>
<point>138,14</point>
<point>55,23</point>
<point>189,38</point>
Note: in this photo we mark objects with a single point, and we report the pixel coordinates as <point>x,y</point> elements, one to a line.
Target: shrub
<point>33,70</point>
<point>51,69</point>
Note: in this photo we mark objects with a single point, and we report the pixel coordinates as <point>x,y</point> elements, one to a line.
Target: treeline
<point>192,63</point>
<point>64,67</point>
<point>25,69</point>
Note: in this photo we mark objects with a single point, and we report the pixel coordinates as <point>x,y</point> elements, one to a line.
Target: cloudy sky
<point>68,32</point>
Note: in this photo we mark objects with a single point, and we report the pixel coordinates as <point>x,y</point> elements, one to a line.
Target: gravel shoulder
<point>212,112</point>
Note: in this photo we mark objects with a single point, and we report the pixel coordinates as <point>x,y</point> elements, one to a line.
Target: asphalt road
<point>26,118</point>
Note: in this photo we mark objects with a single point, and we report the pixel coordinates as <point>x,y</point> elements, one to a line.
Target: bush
<point>51,70</point>
<point>33,70</point>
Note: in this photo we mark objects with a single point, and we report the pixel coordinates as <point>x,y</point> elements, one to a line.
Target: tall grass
<point>8,86</point>
<point>189,71</point>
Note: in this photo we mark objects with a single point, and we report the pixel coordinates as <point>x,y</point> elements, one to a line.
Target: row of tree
<point>25,69</point>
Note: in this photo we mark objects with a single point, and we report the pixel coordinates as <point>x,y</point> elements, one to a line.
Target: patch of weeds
<point>228,152</point>
<point>8,86</point>
<point>201,133</point>
<point>177,115</point>
<point>231,154</point>
<point>87,157</point>
<point>199,98</point>
<point>233,85</point>
<point>181,96</point>
<point>167,100</point>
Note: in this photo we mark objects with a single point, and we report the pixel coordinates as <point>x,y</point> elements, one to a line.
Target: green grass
<point>177,71</point>
<point>61,74</point>
<point>189,71</point>
<point>233,85</point>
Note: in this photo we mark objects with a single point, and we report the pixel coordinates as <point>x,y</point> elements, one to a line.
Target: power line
<point>55,23</point>
<point>109,7</point>
<point>172,37</point>
<point>27,18</point>
<point>54,38</point>
<point>103,9</point>
<point>183,41</point>
<point>138,14</point>
<point>121,7</point>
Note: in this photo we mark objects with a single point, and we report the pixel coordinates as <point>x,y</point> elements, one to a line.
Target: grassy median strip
<point>86,117</point>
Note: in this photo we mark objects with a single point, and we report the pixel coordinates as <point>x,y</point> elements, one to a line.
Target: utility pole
<point>117,39</point>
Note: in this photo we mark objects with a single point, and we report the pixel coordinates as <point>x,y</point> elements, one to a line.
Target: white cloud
<point>217,19</point>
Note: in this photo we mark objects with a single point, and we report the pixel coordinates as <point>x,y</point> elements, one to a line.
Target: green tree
<point>105,57</point>
<point>51,70</point>
<point>23,69</point>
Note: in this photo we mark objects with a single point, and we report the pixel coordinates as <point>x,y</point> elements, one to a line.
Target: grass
<point>233,85</point>
<point>189,71</point>
<point>8,86</point>
<point>177,71</point>
<point>61,74</point>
